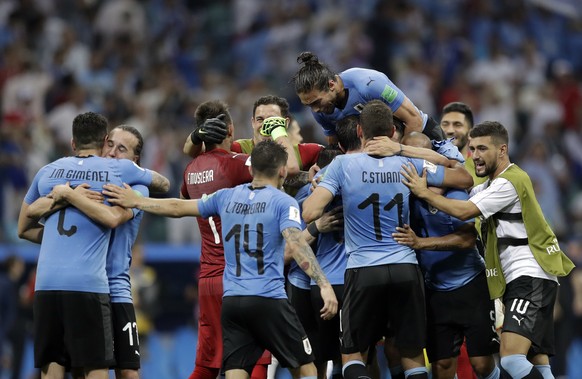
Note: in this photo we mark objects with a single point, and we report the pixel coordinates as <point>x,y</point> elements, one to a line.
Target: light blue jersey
<point>296,276</point>
<point>363,85</point>
<point>375,202</point>
<point>119,254</point>
<point>444,270</point>
<point>331,249</point>
<point>252,222</point>
<point>74,248</point>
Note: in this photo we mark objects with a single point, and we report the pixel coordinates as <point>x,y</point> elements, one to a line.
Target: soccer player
<point>72,322</point>
<point>210,171</point>
<point>456,122</point>
<point>332,96</point>
<point>123,142</point>
<point>383,283</point>
<point>258,220</point>
<point>458,304</point>
<point>301,156</point>
<point>522,255</point>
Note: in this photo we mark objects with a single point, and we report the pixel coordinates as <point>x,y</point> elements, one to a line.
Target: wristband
<point>312,229</point>
<point>278,132</point>
<point>194,138</point>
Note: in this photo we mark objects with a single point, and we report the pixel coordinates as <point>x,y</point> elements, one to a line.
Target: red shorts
<point>209,348</point>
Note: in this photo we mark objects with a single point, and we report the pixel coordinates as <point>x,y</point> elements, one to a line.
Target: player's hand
<point>84,190</point>
<point>313,170</point>
<point>406,236</point>
<point>331,221</point>
<point>122,196</point>
<point>412,180</point>
<point>212,131</point>
<point>330,305</point>
<point>382,146</point>
<point>59,194</point>
<point>274,127</point>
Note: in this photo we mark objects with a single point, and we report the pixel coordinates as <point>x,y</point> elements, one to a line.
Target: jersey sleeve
<point>499,195</point>
<point>235,147</point>
<point>379,87</point>
<point>309,153</point>
<point>209,205</point>
<point>333,176</point>
<point>288,213</point>
<point>131,173</point>
<point>435,174</point>
<point>33,192</point>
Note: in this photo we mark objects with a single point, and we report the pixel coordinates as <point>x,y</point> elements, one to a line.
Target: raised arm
<point>385,147</point>
<point>303,255</point>
<point>408,113</point>
<point>126,197</point>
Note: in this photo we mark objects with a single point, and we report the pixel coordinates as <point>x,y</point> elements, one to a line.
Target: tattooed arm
<point>160,184</point>
<point>303,255</point>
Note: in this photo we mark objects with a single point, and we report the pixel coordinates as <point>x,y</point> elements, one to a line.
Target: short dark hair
<point>89,130</point>
<point>268,157</point>
<point>347,133</point>
<point>327,154</point>
<point>212,109</point>
<point>275,100</point>
<point>130,129</point>
<point>492,129</point>
<point>312,75</point>
<point>376,120</point>
<point>463,108</point>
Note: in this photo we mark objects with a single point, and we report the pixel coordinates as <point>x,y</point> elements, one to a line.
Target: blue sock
<point>494,374</point>
<point>546,371</point>
<point>516,365</point>
<point>417,372</point>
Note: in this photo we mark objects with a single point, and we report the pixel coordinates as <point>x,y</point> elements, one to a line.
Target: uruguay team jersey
<point>296,275</point>
<point>74,248</point>
<point>252,222</point>
<point>375,202</point>
<point>444,270</point>
<point>206,174</point>
<point>119,254</point>
<point>363,85</point>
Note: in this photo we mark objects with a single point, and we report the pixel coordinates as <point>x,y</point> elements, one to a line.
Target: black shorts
<point>72,329</point>
<point>379,297</point>
<point>252,324</point>
<point>326,344</point>
<point>464,313</point>
<point>125,336</point>
<point>300,299</point>
<point>529,311</point>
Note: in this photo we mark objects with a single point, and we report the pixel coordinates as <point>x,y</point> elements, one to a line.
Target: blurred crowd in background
<point>150,63</point>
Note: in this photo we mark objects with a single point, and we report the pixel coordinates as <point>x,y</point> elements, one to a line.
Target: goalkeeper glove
<point>274,127</point>
<point>212,131</point>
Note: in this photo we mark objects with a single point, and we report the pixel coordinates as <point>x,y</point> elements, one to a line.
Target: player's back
<point>206,174</point>
<point>252,222</point>
<point>375,202</point>
<point>74,248</point>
